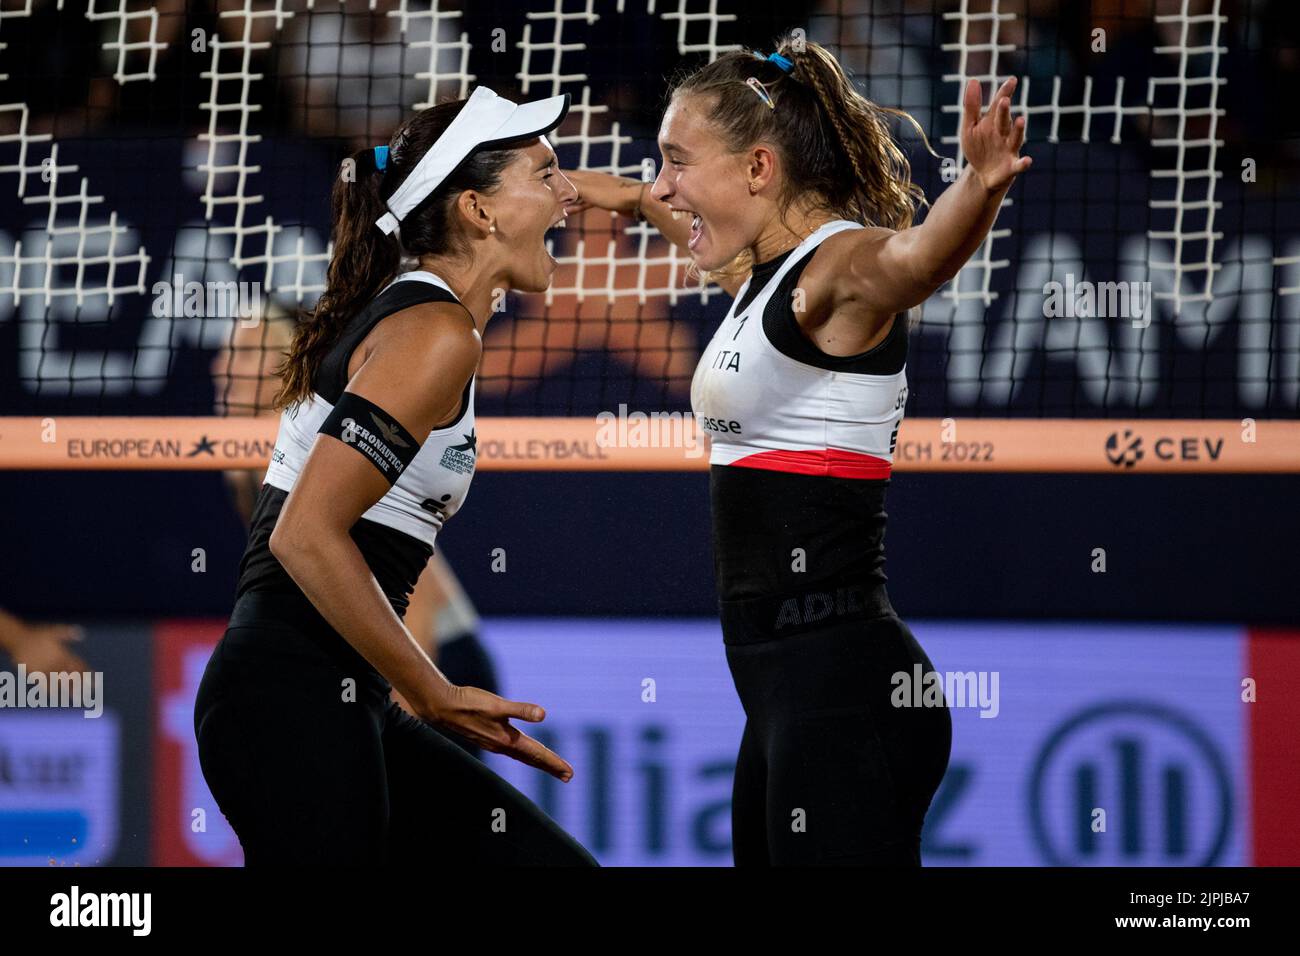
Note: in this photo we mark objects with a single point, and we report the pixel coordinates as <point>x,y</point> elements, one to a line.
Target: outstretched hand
<point>991,142</point>
<point>483,719</point>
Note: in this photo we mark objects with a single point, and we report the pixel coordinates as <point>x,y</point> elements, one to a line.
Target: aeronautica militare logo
<point>388,432</point>
<point>376,445</point>
<point>1124,452</point>
<point>460,458</point>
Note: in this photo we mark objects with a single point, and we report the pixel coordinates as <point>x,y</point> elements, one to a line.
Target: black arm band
<point>369,429</point>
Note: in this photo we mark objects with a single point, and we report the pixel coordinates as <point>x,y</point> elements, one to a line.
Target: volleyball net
<point>165,172</point>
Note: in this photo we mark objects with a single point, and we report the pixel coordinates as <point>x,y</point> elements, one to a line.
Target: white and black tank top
<point>395,535</point>
<point>802,442</point>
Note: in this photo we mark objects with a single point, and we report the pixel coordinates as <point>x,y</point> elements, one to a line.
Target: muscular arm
<point>416,375</point>
<point>625,196</point>
<point>903,269</point>
<point>897,270</point>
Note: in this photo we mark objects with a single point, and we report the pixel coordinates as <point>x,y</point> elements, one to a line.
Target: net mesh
<point>165,172</point>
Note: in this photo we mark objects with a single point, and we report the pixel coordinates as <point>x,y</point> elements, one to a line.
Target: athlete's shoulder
<point>842,247</point>
<point>428,349</point>
<point>419,364</point>
<point>443,329</point>
<point>846,262</point>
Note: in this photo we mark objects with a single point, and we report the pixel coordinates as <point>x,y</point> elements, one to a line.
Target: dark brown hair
<point>834,143</point>
<point>364,260</point>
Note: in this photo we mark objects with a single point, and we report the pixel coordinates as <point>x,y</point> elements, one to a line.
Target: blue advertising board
<point>1083,745</point>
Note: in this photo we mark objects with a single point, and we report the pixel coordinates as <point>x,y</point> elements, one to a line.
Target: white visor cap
<point>485,120</point>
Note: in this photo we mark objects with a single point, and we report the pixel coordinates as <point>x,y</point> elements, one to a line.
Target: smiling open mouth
<point>697,225</point>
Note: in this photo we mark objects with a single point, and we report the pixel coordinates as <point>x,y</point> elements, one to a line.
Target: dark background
<point>1178,548</point>
<point>1213,548</point>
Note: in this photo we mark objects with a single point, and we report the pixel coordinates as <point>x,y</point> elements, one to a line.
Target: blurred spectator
<point>40,647</point>
<point>62,66</point>
<point>889,48</point>
<point>355,72</point>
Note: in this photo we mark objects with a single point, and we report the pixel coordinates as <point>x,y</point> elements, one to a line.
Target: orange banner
<point>670,442</point>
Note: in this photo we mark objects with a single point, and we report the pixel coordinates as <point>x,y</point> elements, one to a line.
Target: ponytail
<point>363,262</point>
<point>364,259</point>
<point>882,192</point>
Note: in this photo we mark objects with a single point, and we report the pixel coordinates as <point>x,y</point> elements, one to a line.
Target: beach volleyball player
<point>786,188</point>
<point>439,614</point>
<point>305,753</point>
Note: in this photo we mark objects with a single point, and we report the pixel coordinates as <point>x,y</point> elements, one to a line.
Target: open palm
<point>991,142</point>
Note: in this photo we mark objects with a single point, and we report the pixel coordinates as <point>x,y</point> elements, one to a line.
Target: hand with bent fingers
<point>991,143</point>
<point>483,719</point>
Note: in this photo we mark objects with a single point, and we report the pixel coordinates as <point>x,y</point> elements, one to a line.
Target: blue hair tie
<point>381,157</point>
<point>781,61</point>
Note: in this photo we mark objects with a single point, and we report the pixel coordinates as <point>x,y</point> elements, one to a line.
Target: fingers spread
<point>971,104</point>
<point>529,712</point>
<point>529,751</point>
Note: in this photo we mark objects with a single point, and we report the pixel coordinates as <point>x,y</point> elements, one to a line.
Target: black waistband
<point>275,607</point>
<point>771,617</point>
<point>289,626</point>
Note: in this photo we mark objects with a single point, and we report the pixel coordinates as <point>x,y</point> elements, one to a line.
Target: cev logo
<point>1160,779</point>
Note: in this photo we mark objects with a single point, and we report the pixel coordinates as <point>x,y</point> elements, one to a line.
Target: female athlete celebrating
<point>304,751</point>
<point>800,202</point>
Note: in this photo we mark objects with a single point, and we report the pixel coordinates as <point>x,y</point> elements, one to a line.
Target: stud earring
<point>492,228</point>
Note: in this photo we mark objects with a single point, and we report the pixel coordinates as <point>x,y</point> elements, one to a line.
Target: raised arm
<point>897,270</point>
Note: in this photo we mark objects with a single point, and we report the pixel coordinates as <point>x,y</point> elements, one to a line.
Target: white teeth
<point>697,223</point>
<point>678,213</point>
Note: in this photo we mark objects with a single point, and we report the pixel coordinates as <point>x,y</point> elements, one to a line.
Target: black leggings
<point>829,771</point>
<point>305,775</point>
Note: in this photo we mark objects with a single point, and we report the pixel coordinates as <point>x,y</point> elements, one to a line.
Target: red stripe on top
<point>833,462</point>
